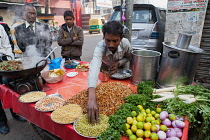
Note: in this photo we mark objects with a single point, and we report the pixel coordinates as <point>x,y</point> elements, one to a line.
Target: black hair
<point>113,27</point>
<point>1,18</point>
<point>68,13</point>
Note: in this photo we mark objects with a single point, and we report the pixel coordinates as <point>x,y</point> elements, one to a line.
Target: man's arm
<point>79,37</point>
<point>62,41</point>
<point>19,35</point>
<point>127,52</point>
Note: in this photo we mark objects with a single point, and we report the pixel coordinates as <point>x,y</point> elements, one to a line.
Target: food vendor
<point>114,51</point>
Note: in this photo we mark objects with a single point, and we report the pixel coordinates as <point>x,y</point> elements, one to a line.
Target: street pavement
<point>24,130</point>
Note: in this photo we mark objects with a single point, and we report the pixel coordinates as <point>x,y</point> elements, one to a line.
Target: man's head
<point>30,13</point>
<point>69,18</point>
<point>1,18</point>
<point>112,34</point>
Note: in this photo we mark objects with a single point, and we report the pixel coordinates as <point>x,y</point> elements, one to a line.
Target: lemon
<point>148,119</point>
<point>142,110</point>
<point>140,118</point>
<point>129,120</point>
<point>147,126</point>
<point>154,128</point>
<point>157,115</point>
<point>134,128</point>
<point>133,113</point>
<point>139,139</point>
<point>140,133</point>
<point>134,122</point>
<point>147,134</point>
<point>149,115</point>
<point>140,107</point>
<point>132,137</point>
<point>127,126</point>
<point>163,127</point>
<point>153,122</point>
<point>147,110</point>
<point>129,132</point>
<point>158,110</point>
<point>134,118</point>
<point>153,112</point>
<point>154,136</point>
<point>140,125</point>
<point>153,118</point>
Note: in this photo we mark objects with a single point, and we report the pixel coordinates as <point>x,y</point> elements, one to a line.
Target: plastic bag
<point>55,63</point>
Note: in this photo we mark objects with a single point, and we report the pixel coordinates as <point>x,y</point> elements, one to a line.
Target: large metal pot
<point>27,71</point>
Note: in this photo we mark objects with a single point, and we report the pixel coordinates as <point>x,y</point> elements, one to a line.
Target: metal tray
<point>122,74</point>
<point>29,93</point>
<point>74,126</point>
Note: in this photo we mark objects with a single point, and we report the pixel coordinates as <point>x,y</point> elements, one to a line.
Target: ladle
<point>51,52</point>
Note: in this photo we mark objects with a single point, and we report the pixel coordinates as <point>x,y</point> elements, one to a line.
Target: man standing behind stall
<point>5,48</point>
<point>113,51</point>
<point>32,33</point>
<point>70,37</point>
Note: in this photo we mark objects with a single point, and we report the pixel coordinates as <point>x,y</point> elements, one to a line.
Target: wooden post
<point>129,18</point>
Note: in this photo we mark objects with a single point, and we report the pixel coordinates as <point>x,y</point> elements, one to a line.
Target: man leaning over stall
<point>5,48</point>
<point>113,51</point>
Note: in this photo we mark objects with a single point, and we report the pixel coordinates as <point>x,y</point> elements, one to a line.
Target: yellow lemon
<point>140,107</point>
<point>163,127</point>
<point>153,122</point>
<point>142,110</point>
<point>148,119</point>
<point>147,134</point>
<point>129,120</point>
<point>147,126</point>
<point>147,110</point>
<point>132,137</point>
<point>134,122</point>
<point>129,132</point>
<point>154,136</point>
<point>127,126</point>
<point>154,128</point>
<point>134,128</point>
<point>158,110</point>
<point>157,115</point>
<point>140,118</point>
<point>153,112</point>
<point>140,125</point>
<point>149,115</point>
<point>139,139</point>
<point>140,133</point>
<point>133,113</point>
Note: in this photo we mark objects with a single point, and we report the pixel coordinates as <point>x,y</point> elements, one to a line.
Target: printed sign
<point>104,3</point>
<point>187,5</point>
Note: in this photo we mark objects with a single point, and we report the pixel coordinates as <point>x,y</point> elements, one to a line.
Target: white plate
<point>71,74</point>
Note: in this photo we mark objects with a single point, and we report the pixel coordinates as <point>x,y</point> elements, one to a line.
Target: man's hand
<point>113,68</point>
<point>18,51</point>
<point>92,107</point>
<point>75,38</point>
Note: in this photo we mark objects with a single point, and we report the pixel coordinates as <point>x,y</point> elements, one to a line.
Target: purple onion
<point>171,132</point>
<point>161,135</point>
<point>179,118</point>
<point>174,124</point>
<point>179,124</point>
<point>166,122</point>
<point>158,126</point>
<point>173,138</point>
<point>178,132</point>
<point>163,115</point>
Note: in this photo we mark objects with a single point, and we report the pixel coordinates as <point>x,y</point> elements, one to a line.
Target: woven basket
<point>51,80</point>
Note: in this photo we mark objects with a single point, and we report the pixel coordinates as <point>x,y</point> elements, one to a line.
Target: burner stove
<point>21,86</point>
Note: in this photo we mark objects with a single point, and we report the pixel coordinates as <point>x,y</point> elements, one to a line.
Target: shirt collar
<point>69,29</point>
<point>119,49</point>
<point>27,24</point>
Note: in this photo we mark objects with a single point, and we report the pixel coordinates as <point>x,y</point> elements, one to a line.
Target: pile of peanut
<point>109,97</point>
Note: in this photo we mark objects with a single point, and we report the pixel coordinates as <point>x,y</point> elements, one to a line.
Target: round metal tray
<point>123,73</point>
<point>74,126</point>
<point>29,93</point>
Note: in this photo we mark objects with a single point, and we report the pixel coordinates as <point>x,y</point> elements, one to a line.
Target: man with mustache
<point>113,51</point>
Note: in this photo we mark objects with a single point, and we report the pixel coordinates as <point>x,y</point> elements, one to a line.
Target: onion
<point>174,124</point>
<point>179,124</point>
<point>163,115</point>
<point>161,135</point>
<point>178,132</point>
<point>171,132</point>
<point>166,122</point>
<point>173,138</point>
<point>158,126</point>
<point>179,118</point>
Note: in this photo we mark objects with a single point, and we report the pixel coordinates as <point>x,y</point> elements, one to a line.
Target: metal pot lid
<point>190,49</point>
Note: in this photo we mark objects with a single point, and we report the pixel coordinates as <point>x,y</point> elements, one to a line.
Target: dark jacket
<point>42,38</point>
<point>70,48</point>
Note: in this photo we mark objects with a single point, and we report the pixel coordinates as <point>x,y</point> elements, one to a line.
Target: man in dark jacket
<point>32,33</point>
<point>70,37</point>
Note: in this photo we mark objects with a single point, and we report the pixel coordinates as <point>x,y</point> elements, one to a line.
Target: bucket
<point>144,65</point>
<point>178,66</point>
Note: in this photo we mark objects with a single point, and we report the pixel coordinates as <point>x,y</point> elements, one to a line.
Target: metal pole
<point>129,18</point>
